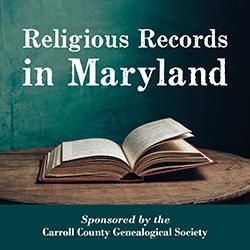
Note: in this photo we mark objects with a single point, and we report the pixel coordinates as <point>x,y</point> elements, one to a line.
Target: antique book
<point>151,149</point>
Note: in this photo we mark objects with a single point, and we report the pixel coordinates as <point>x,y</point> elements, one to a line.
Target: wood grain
<point>228,179</point>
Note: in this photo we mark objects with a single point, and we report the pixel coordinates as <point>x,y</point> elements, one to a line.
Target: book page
<point>179,146</point>
<point>53,159</point>
<point>143,137</point>
<point>91,147</point>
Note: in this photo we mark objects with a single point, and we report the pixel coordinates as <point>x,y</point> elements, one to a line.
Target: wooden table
<point>228,179</point>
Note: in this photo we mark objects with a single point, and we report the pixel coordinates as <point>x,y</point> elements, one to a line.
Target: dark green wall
<point>32,117</point>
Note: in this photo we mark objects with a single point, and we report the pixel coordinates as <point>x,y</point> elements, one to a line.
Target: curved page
<point>73,150</point>
<point>143,137</point>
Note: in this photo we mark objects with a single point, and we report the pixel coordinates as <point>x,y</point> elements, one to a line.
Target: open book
<point>150,149</point>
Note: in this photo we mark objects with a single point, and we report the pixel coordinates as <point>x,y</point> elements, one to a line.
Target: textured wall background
<point>34,117</point>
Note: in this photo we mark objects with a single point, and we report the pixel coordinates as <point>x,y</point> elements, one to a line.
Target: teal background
<point>35,117</point>
<point>21,226</point>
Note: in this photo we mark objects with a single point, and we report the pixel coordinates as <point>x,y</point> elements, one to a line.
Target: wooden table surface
<point>228,179</point>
